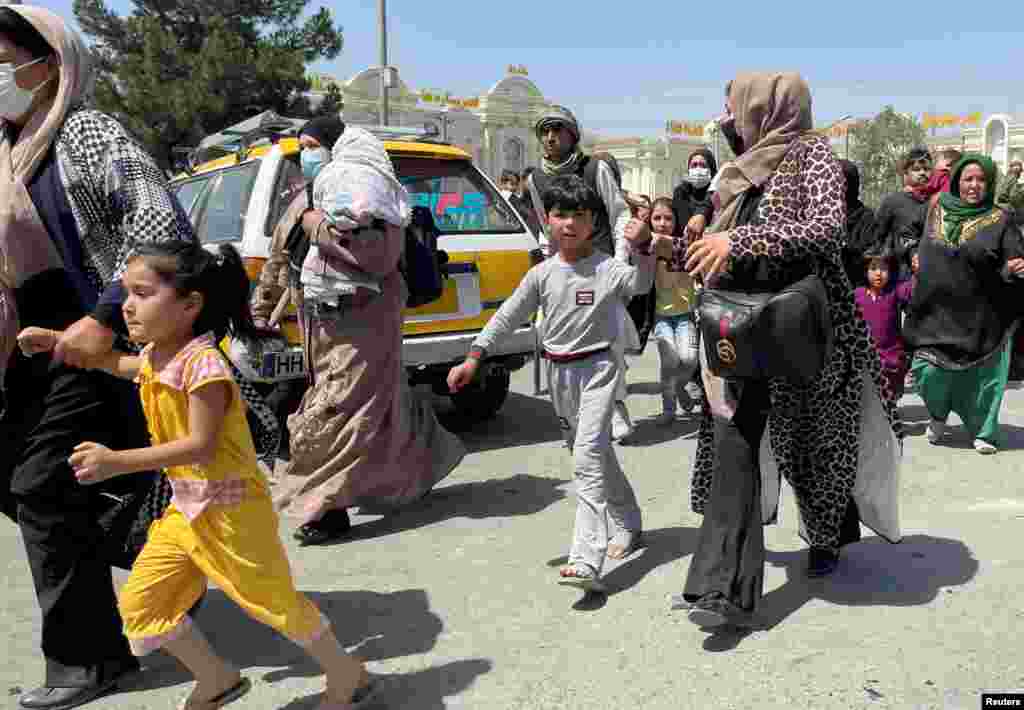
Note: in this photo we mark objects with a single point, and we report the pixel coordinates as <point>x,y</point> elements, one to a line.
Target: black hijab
<point>860,227</point>
<point>326,129</point>
<point>852,184</point>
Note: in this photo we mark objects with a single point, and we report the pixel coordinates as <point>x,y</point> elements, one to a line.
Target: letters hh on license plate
<point>284,365</point>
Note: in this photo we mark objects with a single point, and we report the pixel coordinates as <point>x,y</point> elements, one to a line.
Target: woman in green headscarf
<point>966,304</point>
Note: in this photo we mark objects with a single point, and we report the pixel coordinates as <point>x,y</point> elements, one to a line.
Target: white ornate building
<point>1001,137</point>
<point>655,166</point>
<point>496,127</point>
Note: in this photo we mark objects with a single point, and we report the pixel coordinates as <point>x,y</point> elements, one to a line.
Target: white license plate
<point>286,365</point>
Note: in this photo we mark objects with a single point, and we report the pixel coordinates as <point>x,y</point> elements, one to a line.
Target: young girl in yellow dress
<point>221,525</point>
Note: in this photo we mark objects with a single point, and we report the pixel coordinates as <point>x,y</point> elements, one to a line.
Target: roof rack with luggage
<point>270,126</point>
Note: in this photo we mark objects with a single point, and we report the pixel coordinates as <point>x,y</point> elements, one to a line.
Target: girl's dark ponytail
<point>233,288</point>
<point>220,278</point>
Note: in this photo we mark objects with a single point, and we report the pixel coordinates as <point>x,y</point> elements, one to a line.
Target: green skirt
<point>975,394</point>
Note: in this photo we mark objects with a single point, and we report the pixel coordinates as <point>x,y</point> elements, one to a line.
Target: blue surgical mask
<point>313,160</point>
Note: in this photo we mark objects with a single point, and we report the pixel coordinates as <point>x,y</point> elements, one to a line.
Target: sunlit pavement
<point>455,601</point>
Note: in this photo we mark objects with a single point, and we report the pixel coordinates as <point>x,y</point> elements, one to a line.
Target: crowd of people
<point>129,435</point>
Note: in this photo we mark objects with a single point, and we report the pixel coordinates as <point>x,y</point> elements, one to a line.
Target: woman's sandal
<point>582,577</point>
<point>228,696</point>
<point>333,526</point>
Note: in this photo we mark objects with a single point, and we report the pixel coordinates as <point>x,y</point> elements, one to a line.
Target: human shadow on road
<point>522,494</point>
<point>643,388</point>
<point>423,690</point>
<point>957,438</point>
<point>521,421</point>
<point>915,419</point>
<point>648,432</point>
<point>661,547</point>
<point>870,573</point>
<point>374,626</point>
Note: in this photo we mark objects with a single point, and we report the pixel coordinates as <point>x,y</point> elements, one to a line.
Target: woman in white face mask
<point>691,199</point>
<point>691,202</point>
<point>26,85</point>
<point>76,193</point>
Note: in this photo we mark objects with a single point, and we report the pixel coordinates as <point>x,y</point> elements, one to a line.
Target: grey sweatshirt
<point>582,302</point>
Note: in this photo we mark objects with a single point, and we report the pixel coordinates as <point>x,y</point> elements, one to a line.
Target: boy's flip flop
<point>583,578</point>
<point>228,696</point>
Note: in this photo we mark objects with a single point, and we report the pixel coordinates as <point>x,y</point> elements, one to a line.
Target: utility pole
<point>385,72</point>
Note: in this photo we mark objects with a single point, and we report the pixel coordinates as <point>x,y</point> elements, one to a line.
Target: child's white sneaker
<point>936,430</point>
<point>984,448</point>
<point>622,426</point>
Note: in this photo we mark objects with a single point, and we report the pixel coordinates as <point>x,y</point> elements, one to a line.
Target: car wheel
<point>482,400</point>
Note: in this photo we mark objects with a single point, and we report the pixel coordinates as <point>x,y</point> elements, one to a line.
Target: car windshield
<point>459,197</point>
<point>217,203</point>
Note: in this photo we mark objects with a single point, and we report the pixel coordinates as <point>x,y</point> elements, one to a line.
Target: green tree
<point>877,146</point>
<point>177,70</point>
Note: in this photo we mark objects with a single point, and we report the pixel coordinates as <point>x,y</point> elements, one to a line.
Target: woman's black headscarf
<point>326,129</point>
<point>852,183</point>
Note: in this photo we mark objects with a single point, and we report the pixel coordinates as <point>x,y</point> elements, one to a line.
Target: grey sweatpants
<point>583,393</point>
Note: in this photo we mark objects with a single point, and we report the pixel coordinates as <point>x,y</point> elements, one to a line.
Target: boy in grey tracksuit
<point>580,291</point>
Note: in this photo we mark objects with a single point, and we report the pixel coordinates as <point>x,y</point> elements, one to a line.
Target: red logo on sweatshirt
<point>584,298</point>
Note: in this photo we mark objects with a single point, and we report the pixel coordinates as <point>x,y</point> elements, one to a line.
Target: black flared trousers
<point>729,559</point>
<point>48,411</point>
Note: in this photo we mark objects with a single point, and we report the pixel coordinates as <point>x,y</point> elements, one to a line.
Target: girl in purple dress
<point>880,303</point>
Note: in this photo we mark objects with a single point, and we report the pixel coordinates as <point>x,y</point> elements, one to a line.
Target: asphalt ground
<point>455,602</point>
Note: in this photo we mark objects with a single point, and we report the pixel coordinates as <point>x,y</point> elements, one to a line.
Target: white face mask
<point>14,100</point>
<point>699,177</point>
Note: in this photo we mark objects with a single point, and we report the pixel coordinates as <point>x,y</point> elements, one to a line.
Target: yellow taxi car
<point>240,196</point>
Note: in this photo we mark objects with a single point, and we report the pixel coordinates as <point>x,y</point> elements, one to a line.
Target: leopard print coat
<point>815,428</point>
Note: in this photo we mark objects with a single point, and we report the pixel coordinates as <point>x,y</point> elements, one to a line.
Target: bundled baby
<point>363,201</point>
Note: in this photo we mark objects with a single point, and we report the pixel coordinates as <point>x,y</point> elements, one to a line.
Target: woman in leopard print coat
<point>780,217</point>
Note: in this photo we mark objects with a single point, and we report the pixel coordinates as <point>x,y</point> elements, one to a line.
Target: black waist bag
<point>760,336</point>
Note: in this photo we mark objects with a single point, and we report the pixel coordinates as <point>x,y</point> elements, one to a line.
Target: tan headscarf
<point>26,248</point>
<point>772,111</point>
<point>76,77</point>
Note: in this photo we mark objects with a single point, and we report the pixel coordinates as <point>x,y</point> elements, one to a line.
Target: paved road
<point>455,601</point>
